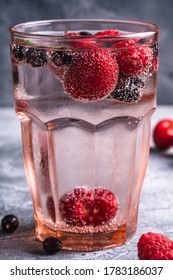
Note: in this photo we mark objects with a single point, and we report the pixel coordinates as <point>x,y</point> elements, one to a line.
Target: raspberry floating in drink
<point>109,32</point>
<point>134,60</point>
<point>88,207</point>
<point>92,75</point>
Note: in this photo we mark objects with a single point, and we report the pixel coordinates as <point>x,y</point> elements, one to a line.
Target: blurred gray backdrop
<point>155,11</point>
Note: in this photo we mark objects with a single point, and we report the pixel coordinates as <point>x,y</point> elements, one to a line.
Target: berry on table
<point>36,58</point>
<point>86,207</point>
<point>52,245</point>
<point>9,223</point>
<point>155,246</point>
<point>92,75</point>
<point>163,134</point>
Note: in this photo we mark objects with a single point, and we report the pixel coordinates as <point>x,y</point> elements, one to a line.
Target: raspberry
<point>154,65</point>
<point>110,32</point>
<point>124,44</point>
<point>86,207</point>
<point>155,246</point>
<point>134,59</point>
<point>92,75</point>
<point>105,206</point>
<point>71,34</point>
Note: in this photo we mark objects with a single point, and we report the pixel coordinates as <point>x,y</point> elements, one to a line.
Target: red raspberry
<point>124,44</point>
<point>107,33</point>
<point>105,206</point>
<point>154,65</point>
<point>155,246</point>
<point>81,42</point>
<point>134,59</point>
<point>92,75</point>
<point>72,34</point>
<point>84,207</point>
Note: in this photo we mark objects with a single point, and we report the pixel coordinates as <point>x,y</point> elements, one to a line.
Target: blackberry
<point>126,95</point>
<point>9,223</point>
<point>35,57</point>
<point>85,33</point>
<point>136,83</point>
<point>155,48</point>
<point>131,83</point>
<point>18,53</point>
<point>61,58</point>
<point>52,245</point>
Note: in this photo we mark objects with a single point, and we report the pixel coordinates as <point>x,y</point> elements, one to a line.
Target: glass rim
<point>153,28</point>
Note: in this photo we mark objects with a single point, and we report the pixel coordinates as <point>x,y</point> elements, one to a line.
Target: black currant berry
<point>60,58</point>
<point>9,223</point>
<point>85,33</point>
<point>36,58</point>
<point>52,245</point>
<point>18,53</point>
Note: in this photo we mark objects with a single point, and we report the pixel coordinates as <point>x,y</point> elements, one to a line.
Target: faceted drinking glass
<point>84,92</point>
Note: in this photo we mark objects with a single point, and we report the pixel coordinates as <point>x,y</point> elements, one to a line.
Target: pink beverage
<point>85,91</point>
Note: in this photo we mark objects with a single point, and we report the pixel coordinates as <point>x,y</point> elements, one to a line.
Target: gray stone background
<point>156,11</point>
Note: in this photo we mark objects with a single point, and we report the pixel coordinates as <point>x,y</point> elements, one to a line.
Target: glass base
<point>86,241</point>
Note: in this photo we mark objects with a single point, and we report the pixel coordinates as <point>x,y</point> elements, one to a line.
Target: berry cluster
<point>32,56</point>
<point>89,72</point>
<point>10,223</point>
